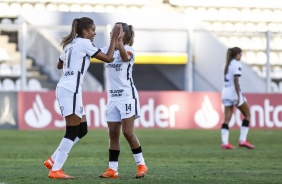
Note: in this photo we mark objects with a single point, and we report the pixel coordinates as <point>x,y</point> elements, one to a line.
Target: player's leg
<point>228,111</point>
<point>82,128</point>
<point>128,116</point>
<point>73,115</point>
<point>245,110</point>
<point>114,126</point>
<point>82,132</point>
<point>72,131</point>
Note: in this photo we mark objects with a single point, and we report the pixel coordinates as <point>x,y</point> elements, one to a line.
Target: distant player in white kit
<point>75,60</point>
<point>123,103</point>
<point>232,96</point>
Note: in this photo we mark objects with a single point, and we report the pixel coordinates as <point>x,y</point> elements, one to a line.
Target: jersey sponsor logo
<point>38,116</point>
<point>68,73</point>
<point>207,116</point>
<point>115,66</point>
<point>116,93</point>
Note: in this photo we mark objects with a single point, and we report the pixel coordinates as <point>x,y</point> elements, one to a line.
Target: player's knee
<point>83,130</point>
<point>128,134</point>
<point>72,132</point>
<point>113,134</point>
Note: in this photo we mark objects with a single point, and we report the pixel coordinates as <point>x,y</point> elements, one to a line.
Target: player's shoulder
<point>129,48</point>
<point>235,63</point>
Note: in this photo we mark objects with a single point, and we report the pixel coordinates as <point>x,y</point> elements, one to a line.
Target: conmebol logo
<point>38,116</point>
<point>206,116</point>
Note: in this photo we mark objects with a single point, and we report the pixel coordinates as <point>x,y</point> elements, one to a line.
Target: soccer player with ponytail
<point>123,103</point>
<point>232,96</point>
<point>75,60</point>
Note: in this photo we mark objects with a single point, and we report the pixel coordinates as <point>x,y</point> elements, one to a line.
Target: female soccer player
<point>232,95</point>
<point>123,103</point>
<point>75,60</point>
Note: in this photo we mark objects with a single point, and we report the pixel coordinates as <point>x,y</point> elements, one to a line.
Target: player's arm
<point>237,86</point>
<point>109,56</point>
<point>60,63</point>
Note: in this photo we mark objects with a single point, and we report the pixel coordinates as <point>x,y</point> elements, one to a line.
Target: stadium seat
<point>262,27</point>
<point>240,27</point>
<point>34,85</point>
<point>274,87</point>
<point>274,59</point>
<point>5,69</point>
<point>75,8</point>
<point>4,9</point>
<point>277,72</point>
<point>273,27</point>
<point>8,85</point>
<point>228,27</point>
<point>27,7</point>
<point>63,8</point>
<point>258,43</point>
<point>250,27</point>
<point>16,70</point>
<point>276,43</point>
<point>280,86</point>
<point>267,15</point>
<point>3,55</point>
<point>39,7</point>
<point>217,26</point>
<point>88,8</point>
<point>245,43</point>
<point>261,58</point>
<point>18,84</point>
<point>234,42</point>
<point>250,58</point>
<point>6,21</point>
<point>14,9</point>
<point>51,7</point>
<point>257,70</point>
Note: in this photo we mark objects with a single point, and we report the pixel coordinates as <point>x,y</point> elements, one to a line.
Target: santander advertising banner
<point>172,110</point>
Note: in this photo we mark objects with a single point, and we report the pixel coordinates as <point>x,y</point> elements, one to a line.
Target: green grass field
<point>173,156</point>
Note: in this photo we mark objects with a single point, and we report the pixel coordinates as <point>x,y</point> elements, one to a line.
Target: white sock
<point>139,159</point>
<point>224,135</point>
<point>113,165</point>
<point>62,155</point>
<point>243,133</point>
<point>56,152</point>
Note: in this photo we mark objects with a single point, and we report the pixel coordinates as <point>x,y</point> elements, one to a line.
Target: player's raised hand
<point>121,35</point>
<point>116,31</point>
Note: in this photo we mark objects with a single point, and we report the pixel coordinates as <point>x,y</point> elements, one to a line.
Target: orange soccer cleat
<point>109,173</point>
<point>246,144</point>
<point>227,146</point>
<point>49,163</point>
<point>59,174</point>
<point>141,171</point>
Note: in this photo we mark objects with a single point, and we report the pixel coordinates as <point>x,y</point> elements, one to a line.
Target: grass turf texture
<point>173,156</point>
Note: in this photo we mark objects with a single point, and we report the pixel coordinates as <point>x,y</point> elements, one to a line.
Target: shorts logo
<point>62,109</point>
<point>81,110</point>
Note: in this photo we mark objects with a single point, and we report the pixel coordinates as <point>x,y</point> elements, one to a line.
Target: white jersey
<point>120,84</point>
<point>234,69</point>
<point>76,59</point>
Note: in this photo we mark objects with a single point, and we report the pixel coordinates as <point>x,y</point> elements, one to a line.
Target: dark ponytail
<point>231,54</point>
<point>67,39</point>
<point>78,25</point>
